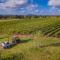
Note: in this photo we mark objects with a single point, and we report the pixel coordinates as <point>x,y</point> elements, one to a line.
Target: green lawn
<point>42,46</point>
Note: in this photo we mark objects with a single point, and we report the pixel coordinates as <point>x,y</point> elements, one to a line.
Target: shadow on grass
<point>2,38</point>
<point>52,44</point>
<point>20,42</point>
<point>25,41</point>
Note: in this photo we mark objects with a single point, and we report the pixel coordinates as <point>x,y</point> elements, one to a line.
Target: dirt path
<point>25,35</point>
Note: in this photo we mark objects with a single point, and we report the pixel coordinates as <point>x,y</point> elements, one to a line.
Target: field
<point>44,44</point>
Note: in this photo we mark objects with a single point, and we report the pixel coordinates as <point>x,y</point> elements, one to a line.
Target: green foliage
<point>41,47</point>
<point>29,26</point>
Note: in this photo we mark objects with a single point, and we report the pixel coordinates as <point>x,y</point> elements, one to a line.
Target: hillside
<point>44,44</point>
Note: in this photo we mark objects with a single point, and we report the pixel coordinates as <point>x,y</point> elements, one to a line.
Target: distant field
<point>44,45</point>
<point>48,26</point>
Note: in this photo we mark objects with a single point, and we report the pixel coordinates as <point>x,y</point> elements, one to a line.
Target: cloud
<point>55,3</point>
<point>32,7</point>
<point>19,7</point>
<point>12,3</point>
<point>54,8</point>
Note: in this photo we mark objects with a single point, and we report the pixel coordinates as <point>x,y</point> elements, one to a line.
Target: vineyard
<point>47,26</point>
<point>44,45</point>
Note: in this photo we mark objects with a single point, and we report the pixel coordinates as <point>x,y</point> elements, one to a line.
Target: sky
<point>26,7</point>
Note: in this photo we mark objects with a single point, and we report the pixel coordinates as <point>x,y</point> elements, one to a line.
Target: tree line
<point>22,16</point>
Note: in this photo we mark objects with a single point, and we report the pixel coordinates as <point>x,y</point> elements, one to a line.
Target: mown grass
<point>38,47</point>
